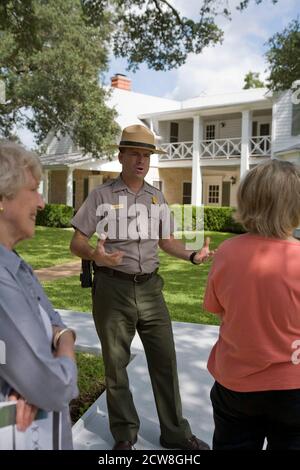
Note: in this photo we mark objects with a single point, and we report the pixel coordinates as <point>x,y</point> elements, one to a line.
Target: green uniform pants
<point>120,307</point>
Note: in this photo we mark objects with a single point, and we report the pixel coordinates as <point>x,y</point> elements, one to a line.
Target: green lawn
<point>68,294</point>
<point>91,383</point>
<point>49,247</point>
<point>184,288</point>
<point>185,285</point>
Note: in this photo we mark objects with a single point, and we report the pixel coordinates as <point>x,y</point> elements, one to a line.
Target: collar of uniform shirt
<point>119,185</point>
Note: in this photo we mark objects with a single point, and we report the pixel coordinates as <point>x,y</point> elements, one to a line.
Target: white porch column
<point>154,127</point>
<point>196,169</point>
<point>245,143</point>
<point>46,186</point>
<point>69,198</point>
<point>151,125</point>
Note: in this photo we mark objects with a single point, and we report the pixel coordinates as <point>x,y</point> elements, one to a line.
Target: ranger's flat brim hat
<point>139,137</point>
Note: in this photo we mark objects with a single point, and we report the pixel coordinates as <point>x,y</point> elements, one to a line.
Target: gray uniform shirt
<point>134,222</point>
<point>30,368</point>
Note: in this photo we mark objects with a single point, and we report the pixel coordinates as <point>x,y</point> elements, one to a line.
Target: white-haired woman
<point>254,286</point>
<point>40,370</point>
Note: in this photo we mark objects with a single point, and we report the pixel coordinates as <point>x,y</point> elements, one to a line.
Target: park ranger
<point>127,289</point>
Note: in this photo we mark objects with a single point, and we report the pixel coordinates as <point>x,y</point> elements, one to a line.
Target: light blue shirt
<point>49,383</point>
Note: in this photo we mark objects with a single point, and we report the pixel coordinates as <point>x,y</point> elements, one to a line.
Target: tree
<point>252,80</point>
<point>283,57</point>
<point>53,51</point>
<point>155,33</point>
<point>50,60</point>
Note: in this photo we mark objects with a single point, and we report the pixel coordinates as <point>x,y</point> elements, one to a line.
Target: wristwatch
<point>192,256</point>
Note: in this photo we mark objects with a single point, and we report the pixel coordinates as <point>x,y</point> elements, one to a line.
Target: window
<point>296,119</point>
<point>210,132</point>
<point>187,192</point>
<point>264,129</point>
<point>174,131</point>
<point>157,184</point>
<point>213,194</point>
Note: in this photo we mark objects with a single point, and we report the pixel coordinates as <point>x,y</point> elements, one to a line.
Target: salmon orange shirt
<point>254,285</point>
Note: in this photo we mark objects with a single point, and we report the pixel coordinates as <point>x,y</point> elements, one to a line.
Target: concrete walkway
<point>59,271</point>
<point>193,344</point>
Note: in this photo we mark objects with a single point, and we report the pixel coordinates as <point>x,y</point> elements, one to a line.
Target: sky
<point>222,68</point>
<point>218,69</point>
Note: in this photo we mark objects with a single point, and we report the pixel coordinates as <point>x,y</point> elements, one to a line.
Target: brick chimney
<point>120,80</point>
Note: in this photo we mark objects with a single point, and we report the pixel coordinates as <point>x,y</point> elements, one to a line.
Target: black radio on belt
<point>86,277</point>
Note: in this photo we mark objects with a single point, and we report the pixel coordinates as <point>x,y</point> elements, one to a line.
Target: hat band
<point>129,143</point>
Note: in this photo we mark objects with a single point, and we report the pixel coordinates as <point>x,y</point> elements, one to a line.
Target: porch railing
<point>177,151</point>
<point>260,146</point>
<point>218,149</point>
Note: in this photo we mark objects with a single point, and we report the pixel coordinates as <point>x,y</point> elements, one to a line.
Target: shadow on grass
<point>91,383</point>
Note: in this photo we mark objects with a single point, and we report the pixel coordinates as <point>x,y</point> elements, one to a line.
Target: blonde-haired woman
<point>40,371</point>
<point>254,286</point>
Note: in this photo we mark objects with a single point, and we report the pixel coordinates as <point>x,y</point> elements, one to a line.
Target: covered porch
<point>218,184</point>
<point>218,149</point>
<point>214,137</point>
<point>69,178</point>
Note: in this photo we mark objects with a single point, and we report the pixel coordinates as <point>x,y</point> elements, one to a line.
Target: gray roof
<point>289,149</point>
<point>60,144</point>
<point>64,159</point>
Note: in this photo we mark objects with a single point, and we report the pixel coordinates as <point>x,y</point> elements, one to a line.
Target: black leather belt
<point>139,278</point>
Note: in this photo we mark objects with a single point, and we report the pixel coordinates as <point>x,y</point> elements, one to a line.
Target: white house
<point>211,141</point>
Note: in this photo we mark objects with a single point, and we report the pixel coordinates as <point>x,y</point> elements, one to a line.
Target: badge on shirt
<point>154,200</point>
<point>117,206</point>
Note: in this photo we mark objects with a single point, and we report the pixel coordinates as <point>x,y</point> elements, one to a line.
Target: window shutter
<point>296,119</point>
<point>174,132</point>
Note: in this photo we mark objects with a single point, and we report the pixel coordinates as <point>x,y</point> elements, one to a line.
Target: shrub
<point>55,215</point>
<point>221,219</point>
<point>216,219</point>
